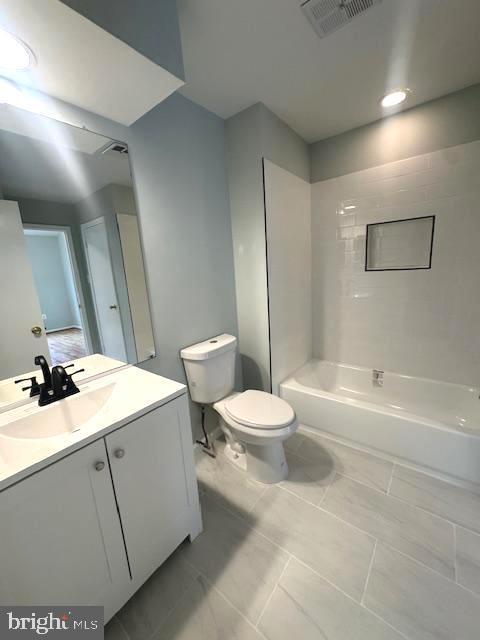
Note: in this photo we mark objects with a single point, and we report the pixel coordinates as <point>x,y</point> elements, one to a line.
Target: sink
<point>64,416</point>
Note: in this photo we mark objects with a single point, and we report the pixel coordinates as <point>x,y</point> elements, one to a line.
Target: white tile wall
<point>423,323</point>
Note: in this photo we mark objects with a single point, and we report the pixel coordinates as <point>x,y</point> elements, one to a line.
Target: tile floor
<point>350,547</point>
<point>66,345</point>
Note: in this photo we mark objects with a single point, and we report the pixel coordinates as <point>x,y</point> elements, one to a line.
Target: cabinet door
<point>60,535</point>
<point>150,479</point>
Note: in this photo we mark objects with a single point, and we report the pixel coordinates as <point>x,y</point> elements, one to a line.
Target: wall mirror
<point>72,271</point>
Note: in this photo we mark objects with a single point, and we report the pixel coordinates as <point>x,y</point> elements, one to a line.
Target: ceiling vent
<point>326,16</point>
<point>115,147</point>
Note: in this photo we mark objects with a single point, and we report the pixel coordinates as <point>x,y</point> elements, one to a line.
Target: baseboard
<point>72,326</point>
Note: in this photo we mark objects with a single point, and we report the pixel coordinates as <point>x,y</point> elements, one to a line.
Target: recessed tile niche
<point>400,244</point>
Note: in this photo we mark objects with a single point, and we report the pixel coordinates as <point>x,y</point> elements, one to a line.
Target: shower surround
<point>421,323</point>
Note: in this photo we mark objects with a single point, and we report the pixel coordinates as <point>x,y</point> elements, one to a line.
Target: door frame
<point>83,227</point>
<point>75,272</point>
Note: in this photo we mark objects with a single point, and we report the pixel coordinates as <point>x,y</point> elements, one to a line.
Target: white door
<point>150,477</point>
<point>103,289</point>
<point>21,311</point>
<point>61,539</point>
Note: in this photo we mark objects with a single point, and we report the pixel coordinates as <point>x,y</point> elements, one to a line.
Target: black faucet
<point>62,383</point>
<point>57,384</point>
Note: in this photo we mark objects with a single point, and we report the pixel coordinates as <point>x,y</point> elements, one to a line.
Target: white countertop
<point>134,392</point>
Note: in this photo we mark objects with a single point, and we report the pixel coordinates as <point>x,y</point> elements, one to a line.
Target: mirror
<point>73,279</point>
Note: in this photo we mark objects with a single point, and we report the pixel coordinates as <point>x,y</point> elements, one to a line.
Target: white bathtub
<point>429,423</point>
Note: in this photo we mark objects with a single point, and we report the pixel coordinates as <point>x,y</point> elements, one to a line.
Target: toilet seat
<point>259,410</point>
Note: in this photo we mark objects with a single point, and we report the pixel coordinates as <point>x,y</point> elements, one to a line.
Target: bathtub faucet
<point>377,377</point>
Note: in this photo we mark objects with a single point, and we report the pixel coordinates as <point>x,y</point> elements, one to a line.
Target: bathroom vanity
<point>96,491</point>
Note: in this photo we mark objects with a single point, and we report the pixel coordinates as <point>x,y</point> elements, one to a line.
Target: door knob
<point>99,466</point>
<point>37,331</point>
<point>113,306</point>
<point>119,453</point>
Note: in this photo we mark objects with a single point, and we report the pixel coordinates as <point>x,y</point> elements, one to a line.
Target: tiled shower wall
<point>422,323</point>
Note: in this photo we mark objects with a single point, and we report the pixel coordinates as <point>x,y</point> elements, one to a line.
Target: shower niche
<point>400,244</point>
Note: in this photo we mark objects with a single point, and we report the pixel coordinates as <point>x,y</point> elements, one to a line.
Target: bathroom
<point>240,369</point>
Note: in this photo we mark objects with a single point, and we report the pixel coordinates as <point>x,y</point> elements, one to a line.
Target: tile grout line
<point>270,597</point>
<point>257,500</point>
<point>455,554</point>
<point>369,571</point>
<point>125,632</point>
<point>391,478</point>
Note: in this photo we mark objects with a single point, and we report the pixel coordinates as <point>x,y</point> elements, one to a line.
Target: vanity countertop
<point>103,405</point>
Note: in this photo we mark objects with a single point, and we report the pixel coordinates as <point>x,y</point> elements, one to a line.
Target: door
<point>61,540</point>
<point>20,306</point>
<point>150,478</point>
<point>103,289</point>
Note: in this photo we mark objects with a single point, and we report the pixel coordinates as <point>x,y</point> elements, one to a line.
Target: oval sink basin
<point>64,416</point>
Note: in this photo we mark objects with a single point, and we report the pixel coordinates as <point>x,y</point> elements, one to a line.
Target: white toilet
<point>255,423</point>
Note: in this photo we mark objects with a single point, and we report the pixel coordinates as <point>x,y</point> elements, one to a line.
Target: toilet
<point>255,423</point>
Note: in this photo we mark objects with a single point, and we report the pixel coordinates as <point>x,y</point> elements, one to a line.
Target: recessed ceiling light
<point>394,98</point>
<point>15,55</point>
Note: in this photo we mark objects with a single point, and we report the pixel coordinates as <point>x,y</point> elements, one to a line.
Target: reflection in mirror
<point>73,280</point>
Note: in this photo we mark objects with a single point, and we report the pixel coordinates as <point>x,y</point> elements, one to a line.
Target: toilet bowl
<point>255,423</point>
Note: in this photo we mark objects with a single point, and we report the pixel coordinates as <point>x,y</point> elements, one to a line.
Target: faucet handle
<point>69,366</point>
<point>34,387</point>
<point>77,371</point>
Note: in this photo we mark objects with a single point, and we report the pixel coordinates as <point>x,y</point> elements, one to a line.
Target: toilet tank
<point>210,368</point>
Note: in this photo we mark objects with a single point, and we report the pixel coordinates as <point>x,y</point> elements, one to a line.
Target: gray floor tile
<point>308,480</point>
<point>468,559</point>
<point>337,551</point>
<point>364,467</point>
<point>307,607</point>
<point>243,565</point>
<point>149,607</point>
<point>219,479</point>
<point>418,602</point>
<point>203,614</point>
<point>292,443</point>
<point>114,630</point>
<point>444,499</point>
<point>425,537</point>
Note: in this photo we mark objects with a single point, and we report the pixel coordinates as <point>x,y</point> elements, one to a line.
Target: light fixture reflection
<point>15,55</point>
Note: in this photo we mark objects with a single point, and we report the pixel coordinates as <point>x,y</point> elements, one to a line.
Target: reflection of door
<point>103,289</point>
<point>20,306</point>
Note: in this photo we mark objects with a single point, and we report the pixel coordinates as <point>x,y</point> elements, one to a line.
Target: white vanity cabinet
<point>91,528</point>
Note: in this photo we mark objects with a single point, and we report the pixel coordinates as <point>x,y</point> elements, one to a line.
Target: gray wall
<point>252,135</point>
<point>441,123</point>
<point>151,28</point>
<point>52,281</point>
<point>178,159</point>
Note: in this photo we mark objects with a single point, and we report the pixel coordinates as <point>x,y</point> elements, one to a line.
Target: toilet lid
<point>260,409</point>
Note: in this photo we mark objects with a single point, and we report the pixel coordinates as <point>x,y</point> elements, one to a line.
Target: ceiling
<point>59,171</point>
<point>84,65</point>
<point>238,52</point>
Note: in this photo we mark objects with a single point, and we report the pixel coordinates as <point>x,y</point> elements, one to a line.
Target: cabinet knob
<point>119,453</point>
<point>99,466</point>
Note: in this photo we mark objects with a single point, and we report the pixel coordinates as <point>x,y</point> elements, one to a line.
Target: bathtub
<point>426,422</point>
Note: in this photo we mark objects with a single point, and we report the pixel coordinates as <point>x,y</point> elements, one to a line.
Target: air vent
<point>115,147</point>
<point>326,16</point>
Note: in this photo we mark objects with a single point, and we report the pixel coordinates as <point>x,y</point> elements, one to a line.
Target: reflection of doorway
<point>102,283</point>
<point>57,284</point>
